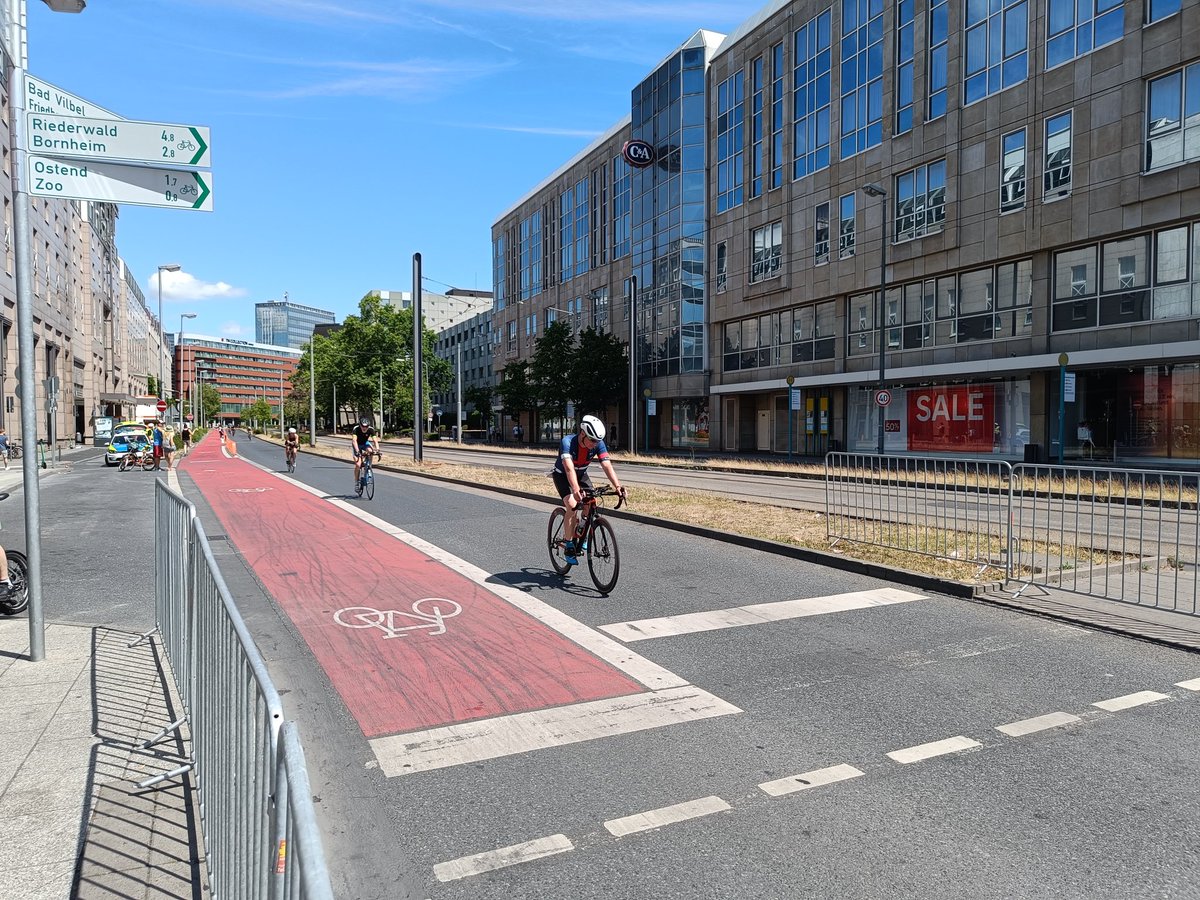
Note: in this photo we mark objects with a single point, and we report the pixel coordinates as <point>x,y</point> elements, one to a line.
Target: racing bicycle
<point>366,476</point>
<point>141,458</point>
<point>289,454</point>
<point>594,536</point>
<point>18,574</point>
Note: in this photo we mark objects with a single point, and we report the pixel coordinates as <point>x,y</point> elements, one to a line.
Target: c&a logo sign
<point>638,154</point>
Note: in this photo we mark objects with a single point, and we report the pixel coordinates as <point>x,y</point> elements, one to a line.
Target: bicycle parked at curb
<point>18,574</point>
<point>594,535</point>
<point>366,476</point>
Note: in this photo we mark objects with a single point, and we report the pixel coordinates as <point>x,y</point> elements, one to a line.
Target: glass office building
<point>286,324</point>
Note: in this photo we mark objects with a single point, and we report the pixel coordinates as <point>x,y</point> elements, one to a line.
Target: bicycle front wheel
<point>18,570</point>
<point>604,561</point>
<point>369,487</point>
<point>554,542</point>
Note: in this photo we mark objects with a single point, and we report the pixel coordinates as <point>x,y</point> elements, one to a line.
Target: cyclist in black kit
<point>362,440</point>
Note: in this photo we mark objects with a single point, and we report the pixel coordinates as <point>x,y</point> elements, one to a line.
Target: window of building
<point>920,201</point>
<point>1076,27</point>
<point>620,208</point>
<point>777,74</point>
<point>512,336</point>
<point>846,226</point>
<point>730,140</point>
<point>821,235</point>
<point>756,128</point>
<point>566,239</point>
<point>862,76</point>
<point>1012,172</point>
<point>938,38</point>
<point>600,216</point>
<point>499,294</point>
<point>583,253</point>
<point>1057,174</point>
<point>811,94</point>
<point>722,267</point>
<point>905,54</point>
<point>767,256</point>
<point>1160,9</point>
<point>1173,118</point>
<point>800,334</point>
<point>996,46</point>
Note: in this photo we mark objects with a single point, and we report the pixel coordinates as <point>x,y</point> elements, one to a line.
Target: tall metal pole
<point>882,305</point>
<point>418,399</point>
<point>336,417</point>
<point>458,374</point>
<point>381,401</point>
<point>312,391</point>
<point>282,430</point>
<point>25,357</point>
<point>630,442</point>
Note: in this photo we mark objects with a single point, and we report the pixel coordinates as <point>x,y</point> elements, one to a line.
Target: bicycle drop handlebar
<point>604,490</point>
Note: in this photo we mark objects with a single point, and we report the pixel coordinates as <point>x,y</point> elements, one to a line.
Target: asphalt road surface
<point>842,738</point>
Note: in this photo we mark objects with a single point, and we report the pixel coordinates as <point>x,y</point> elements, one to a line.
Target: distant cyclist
<point>362,440</point>
<point>291,444</point>
<point>570,474</point>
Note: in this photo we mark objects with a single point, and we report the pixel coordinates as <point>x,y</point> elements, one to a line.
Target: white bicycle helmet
<point>592,427</point>
<point>291,431</point>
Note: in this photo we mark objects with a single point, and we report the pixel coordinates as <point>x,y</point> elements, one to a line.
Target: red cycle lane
<point>315,559</point>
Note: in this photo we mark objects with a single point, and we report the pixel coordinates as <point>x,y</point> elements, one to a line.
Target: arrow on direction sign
<point>111,183</point>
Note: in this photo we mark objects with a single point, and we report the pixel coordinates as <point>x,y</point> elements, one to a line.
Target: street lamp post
<point>629,441</point>
<point>167,267</point>
<point>874,190</point>
<point>179,341</point>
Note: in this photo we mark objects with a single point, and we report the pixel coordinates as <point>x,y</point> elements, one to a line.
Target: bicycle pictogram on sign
<point>429,612</point>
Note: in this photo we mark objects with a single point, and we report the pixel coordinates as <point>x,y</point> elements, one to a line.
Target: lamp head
<point>871,189</point>
<point>66,6</point>
<point>170,267</point>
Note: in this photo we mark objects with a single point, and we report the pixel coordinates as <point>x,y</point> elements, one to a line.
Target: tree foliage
<point>257,413</point>
<point>599,374</point>
<point>210,403</point>
<point>480,398</point>
<point>515,390</point>
<point>372,350</point>
<point>550,369</point>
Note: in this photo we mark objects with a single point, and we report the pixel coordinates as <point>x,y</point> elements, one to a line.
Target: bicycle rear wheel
<point>17,574</point>
<point>369,487</point>
<point>554,542</point>
<point>604,561</point>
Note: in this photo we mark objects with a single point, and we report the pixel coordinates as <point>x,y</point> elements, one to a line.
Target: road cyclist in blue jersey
<point>575,454</point>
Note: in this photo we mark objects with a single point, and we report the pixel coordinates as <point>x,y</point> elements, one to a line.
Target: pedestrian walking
<point>156,441</point>
<point>186,434</point>
<point>169,447</point>
<point>4,451</point>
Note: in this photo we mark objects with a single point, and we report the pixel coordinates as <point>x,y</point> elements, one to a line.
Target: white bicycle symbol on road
<point>431,612</point>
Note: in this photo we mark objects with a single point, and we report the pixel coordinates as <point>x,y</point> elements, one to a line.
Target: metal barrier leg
<point>173,773</point>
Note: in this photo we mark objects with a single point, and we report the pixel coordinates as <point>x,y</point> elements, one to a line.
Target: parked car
<point>122,444</point>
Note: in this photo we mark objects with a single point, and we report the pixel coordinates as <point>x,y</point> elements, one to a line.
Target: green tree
<point>259,412</point>
<point>599,375</point>
<point>152,385</point>
<point>376,342</point>
<point>550,369</point>
<point>210,402</point>
<point>480,399</point>
<point>515,389</point>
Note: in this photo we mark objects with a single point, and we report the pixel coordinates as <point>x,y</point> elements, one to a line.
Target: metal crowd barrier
<point>945,508</point>
<point>256,808</point>
<point>1116,534</point>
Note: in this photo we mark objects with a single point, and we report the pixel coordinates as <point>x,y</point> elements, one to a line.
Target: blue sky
<point>349,134</point>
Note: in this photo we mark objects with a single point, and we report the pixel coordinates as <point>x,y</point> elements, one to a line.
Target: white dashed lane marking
<point>490,860</point>
<point>1192,685</point>
<point>815,778</point>
<point>757,614</point>
<point>1038,723</point>
<point>933,748</point>
<point>667,815</point>
<point>1116,704</point>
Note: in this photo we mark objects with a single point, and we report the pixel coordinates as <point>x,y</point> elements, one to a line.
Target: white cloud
<point>233,329</point>
<point>184,286</point>
<point>623,11</point>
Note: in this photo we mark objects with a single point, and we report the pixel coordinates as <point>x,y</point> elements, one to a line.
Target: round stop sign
<point>162,405</point>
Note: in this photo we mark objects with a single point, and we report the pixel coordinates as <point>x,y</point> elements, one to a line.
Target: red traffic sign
<point>883,398</point>
<point>162,405</point>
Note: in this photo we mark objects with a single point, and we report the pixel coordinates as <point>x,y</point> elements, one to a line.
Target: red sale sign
<point>951,418</point>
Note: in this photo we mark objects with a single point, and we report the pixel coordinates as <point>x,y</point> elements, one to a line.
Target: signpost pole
<point>630,440</point>
<point>1063,359</point>
<point>791,381</point>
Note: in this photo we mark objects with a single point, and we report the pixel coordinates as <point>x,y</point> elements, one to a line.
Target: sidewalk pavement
<point>73,821</point>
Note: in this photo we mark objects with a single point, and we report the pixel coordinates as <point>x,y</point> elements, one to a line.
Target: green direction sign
<point>154,143</point>
<point>43,97</point>
<point>111,183</point>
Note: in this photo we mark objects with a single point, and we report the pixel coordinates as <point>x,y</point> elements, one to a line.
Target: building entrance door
<point>729,425</point>
<point>764,430</point>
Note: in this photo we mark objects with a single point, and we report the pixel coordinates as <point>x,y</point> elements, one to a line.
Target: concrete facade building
<point>467,346</point>
<point>241,371</point>
<point>1033,176</point>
